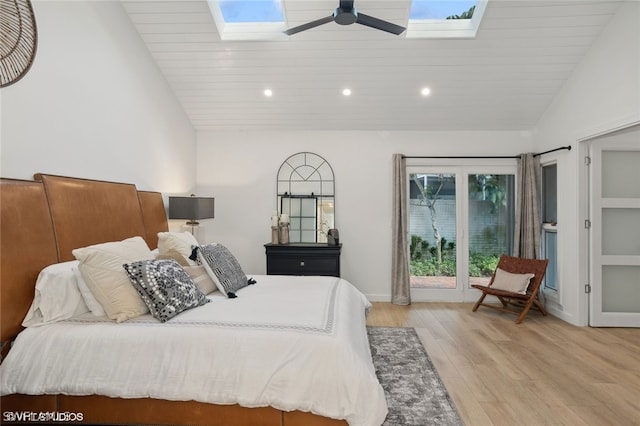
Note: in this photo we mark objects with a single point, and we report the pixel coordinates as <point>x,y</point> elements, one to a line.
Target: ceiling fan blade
<point>346,4</point>
<point>379,24</point>
<point>309,25</point>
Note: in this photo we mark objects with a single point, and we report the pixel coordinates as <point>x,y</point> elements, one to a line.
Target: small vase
<point>284,233</point>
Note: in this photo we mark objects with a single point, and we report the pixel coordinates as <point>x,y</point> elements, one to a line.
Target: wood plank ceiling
<point>504,79</point>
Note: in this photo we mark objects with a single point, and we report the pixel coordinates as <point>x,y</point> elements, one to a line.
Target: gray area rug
<point>415,393</point>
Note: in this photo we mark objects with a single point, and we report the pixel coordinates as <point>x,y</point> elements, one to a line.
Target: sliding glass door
<point>460,222</point>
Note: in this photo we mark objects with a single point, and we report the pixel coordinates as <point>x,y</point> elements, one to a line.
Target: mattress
<point>293,343</point>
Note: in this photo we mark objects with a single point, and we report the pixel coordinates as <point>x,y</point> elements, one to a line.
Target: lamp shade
<point>192,208</point>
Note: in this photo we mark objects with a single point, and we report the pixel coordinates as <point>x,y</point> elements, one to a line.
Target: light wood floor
<point>541,372</point>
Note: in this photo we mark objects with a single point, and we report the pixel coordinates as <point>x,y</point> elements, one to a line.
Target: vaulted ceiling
<point>503,79</point>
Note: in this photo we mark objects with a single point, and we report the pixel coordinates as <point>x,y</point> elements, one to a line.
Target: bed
<point>287,351</point>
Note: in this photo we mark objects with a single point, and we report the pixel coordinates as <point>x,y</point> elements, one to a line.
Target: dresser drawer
<point>304,265</point>
<point>303,259</point>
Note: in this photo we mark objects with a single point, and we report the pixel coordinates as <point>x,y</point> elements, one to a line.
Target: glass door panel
<point>490,217</point>
<point>623,175</point>
<point>620,289</point>
<point>432,228</point>
<point>621,231</point>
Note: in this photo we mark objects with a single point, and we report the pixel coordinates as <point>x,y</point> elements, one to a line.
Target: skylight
<point>248,19</point>
<point>236,11</point>
<point>264,19</point>
<point>430,9</point>
<point>445,18</point>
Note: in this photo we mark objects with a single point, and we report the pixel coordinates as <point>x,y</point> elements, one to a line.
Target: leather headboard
<point>27,245</point>
<point>42,221</point>
<point>86,212</point>
<point>154,216</point>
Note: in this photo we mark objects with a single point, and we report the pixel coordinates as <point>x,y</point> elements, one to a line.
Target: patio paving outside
<point>443,282</point>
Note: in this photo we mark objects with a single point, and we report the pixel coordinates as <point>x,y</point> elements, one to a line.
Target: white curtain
<point>400,279</point>
<point>527,224</point>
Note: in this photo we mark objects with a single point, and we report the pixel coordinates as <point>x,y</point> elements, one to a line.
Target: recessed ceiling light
<point>425,91</point>
<point>346,92</point>
<point>268,93</point>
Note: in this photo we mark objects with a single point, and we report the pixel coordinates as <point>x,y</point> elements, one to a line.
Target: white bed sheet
<point>293,343</point>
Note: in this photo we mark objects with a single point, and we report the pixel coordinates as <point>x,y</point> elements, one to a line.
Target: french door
<point>615,230</point>
<point>460,222</point>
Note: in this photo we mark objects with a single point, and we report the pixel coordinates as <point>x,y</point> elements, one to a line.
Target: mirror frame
<point>307,176</point>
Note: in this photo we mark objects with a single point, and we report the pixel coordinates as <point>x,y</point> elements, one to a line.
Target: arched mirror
<point>306,192</point>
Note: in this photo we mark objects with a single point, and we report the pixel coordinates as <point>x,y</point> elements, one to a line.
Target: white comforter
<point>293,343</point>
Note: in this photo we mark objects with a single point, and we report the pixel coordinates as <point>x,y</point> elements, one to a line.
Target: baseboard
<point>557,312</point>
<point>378,297</point>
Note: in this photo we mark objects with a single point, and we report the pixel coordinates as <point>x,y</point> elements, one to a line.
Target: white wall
<point>603,94</point>
<point>94,105</point>
<point>239,169</point>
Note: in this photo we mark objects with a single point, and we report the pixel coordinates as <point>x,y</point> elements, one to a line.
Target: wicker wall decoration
<point>18,40</point>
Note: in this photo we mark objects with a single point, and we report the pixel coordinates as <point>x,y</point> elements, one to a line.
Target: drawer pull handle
<point>302,263</point>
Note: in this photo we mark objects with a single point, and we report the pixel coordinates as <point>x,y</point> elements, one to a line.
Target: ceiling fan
<point>346,14</point>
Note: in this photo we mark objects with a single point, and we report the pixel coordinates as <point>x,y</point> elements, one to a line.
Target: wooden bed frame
<point>41,222</point>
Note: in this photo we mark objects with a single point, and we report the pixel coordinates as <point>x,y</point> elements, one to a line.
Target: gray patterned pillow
<point>223,268</point>
<point>165,287</point>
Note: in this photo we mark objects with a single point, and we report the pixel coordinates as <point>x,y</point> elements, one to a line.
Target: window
<point>238,11</point>
<point>549,191</point>
<point>248,19</point>
<point>550,224</point>
<point>430,9</point>
<point>550,251</point>
<point>445,19</point>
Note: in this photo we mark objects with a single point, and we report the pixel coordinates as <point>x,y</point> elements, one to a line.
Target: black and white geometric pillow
<point>223,268</point>
<point>165,287</point>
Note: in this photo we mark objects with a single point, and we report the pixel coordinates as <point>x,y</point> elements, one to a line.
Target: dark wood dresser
<point>303,259</point>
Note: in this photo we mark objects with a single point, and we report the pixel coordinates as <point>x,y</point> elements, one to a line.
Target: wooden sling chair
<point>509,285</point>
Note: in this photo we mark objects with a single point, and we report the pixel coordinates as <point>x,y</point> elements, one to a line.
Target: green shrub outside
<point>423,260</point>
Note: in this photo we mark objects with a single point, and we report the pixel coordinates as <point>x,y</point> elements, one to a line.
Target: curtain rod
<point>568,148</point>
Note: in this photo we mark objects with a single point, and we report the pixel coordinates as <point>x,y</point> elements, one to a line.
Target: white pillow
<point>182,242</point>
<point>102,270</point>
<point>515,283</point>
<point>57,296</point>
<point>94,306</point>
